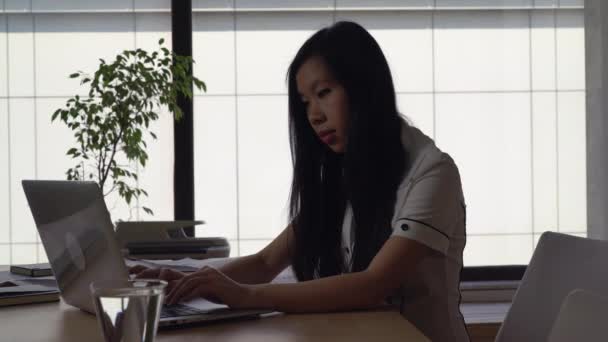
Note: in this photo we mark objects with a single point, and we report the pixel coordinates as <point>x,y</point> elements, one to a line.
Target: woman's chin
<point>336,148</point>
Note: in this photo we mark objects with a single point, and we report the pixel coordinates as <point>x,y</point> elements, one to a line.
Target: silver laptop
<point>78,236</point>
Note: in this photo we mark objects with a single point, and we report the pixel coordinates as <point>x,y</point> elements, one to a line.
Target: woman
<point>376,209</point>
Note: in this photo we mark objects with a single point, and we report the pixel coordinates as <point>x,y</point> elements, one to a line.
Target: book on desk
<point>32,270</point>
<point>16,289</point>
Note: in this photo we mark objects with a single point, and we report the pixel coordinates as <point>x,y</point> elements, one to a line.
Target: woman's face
<point>326,103</point>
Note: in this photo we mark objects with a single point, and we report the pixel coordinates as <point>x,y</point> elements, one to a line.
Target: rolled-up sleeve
<point>432,207</point>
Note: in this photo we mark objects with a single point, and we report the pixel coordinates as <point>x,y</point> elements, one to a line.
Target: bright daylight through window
<point>499,85</point>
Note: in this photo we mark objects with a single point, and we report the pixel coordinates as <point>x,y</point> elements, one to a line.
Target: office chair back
<point>560,264</point>
<point>582,317</point>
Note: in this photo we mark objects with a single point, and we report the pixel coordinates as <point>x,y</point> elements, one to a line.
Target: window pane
<point>570,50</point>
<point>248,247</point>
<point>3,57</point>
<point>5,254</point>
<point>482,51</point>
<point>20,55</point>
<point>488,135</point>
<point>266,44</point>
<point>22,166</point>
<point>264,166</point>
<point>501,90</point>
<point>213,49</point>
<point>37,53</point>
<point>571,162</point>
<point>215,156</point>
<point>407,42</point>
<point>24,253</point>
<point>498,249</point>
<point>68,43</point>
<point>544,161</point>
<point>5,195</point>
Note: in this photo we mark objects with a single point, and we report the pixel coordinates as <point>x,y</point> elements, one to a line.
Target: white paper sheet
<point>204,305</point>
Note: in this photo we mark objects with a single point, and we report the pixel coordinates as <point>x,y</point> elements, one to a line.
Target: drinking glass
<point>129,311</point>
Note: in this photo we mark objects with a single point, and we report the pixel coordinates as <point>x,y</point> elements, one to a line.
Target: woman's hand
<point>137,269</point>
<point>166,274</point>
<point>213,285</point>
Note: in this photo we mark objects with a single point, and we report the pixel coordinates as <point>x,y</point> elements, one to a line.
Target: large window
<point>500,85</point>
<point>41,43</point>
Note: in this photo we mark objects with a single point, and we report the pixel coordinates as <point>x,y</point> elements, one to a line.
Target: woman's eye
<point>323,92</point>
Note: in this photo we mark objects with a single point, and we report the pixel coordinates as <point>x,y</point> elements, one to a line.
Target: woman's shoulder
<point>422,153</point>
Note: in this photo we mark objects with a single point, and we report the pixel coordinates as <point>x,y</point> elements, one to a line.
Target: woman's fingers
<point>207,283</point>
<point>202,271</point>
<point>149,273</point>
<point>170,286</point>
<point>199,284</point>
<point>195,293</point>
<point>169,274</point>
<point>137,269</point>
<point>185,288</point>
<point>166,274</point>
<point>181,289</point>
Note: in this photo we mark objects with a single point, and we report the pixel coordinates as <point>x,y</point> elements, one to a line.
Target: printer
<point>167,240</point>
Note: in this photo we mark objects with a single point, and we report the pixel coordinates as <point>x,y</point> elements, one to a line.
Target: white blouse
<point>429,209</point>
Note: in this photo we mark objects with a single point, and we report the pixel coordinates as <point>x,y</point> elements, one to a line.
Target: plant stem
<point>100,163</point>
<point>114,145</point>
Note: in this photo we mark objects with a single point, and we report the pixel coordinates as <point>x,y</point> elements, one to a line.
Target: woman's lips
<point>328,137</point>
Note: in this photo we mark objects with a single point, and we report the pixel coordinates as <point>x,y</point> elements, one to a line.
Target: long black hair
<point>367,175</point>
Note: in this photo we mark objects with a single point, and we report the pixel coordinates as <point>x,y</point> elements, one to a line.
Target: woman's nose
<point>315,114</point>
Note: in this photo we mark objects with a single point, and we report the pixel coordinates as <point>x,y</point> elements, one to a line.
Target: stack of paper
<point>26,290</point>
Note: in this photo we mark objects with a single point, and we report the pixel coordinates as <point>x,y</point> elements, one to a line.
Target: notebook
<point>25,291</point>
<point>32,270</point>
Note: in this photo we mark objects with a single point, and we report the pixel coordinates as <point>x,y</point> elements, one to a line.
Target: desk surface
<point>60,322</point>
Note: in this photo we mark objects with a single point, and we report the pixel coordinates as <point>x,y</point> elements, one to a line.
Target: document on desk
<point>204,305</point>
<point>161,263</point>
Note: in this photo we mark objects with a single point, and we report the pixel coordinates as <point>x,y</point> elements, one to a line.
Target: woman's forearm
<point>249,269</point>
<point>263,266</point>
<point>343,292</point>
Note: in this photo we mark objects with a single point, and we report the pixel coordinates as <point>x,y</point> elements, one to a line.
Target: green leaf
<point>199,84</point>
<point>55,114</point>
<point>74,75</point>
<point>119,109</point>
<point>161,41</point>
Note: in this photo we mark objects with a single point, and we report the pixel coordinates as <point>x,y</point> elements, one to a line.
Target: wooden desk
<point>60,322</point>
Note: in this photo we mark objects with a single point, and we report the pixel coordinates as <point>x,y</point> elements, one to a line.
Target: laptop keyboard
<point>176,310</point>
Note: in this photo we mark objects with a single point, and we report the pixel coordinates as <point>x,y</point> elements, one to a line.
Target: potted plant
<point>113,122</point>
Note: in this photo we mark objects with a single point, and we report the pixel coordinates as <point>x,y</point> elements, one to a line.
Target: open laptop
<point>78,236</point>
